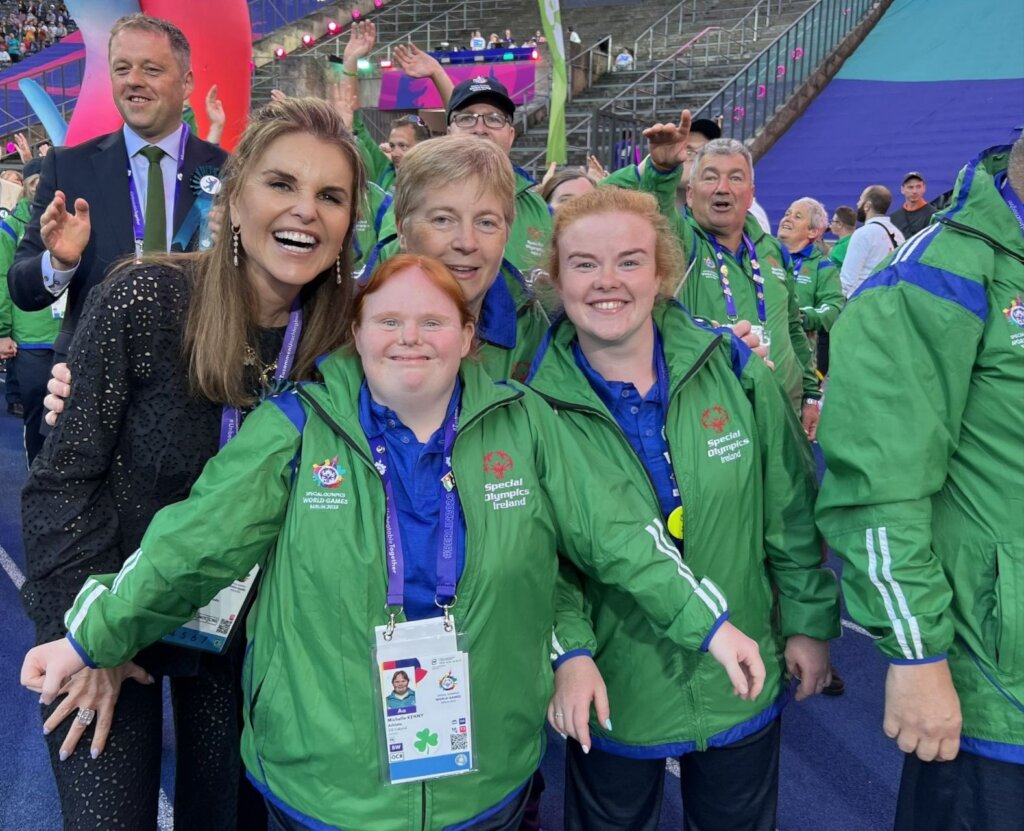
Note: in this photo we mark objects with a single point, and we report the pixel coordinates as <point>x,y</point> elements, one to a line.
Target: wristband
<point>348,74</point>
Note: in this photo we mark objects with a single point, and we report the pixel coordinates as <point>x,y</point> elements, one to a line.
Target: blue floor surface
<point>838,771</point>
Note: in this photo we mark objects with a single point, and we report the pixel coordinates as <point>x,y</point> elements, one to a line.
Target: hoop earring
<point>337,268</point>
<point>235,236</point>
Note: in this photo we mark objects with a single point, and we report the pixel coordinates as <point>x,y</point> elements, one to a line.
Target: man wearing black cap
<point>915,214</point>
<point>481,106</point>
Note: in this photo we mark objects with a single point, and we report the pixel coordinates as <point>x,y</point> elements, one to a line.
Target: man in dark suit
<point>93,204</point>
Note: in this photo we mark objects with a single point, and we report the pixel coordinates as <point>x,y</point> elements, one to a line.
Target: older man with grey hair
<point>818,289</point>
<point>735,269</point>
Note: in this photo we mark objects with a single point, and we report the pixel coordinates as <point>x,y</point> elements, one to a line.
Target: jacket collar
<point>343,378</point>
<point>556,376</point>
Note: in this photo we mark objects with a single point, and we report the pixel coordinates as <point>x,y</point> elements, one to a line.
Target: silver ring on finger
<point>558,714</point>
<point>85,716</point>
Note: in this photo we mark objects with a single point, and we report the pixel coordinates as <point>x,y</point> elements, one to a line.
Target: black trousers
<point>120,789</point>
<point>971,793</point>
<point>33,372</point>
<point>734,788</point>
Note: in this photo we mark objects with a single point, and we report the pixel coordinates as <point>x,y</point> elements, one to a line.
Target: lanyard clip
<point>389,632</point>
<point>449,625</point>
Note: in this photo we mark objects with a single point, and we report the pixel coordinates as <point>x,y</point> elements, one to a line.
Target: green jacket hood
<point>977,208</point>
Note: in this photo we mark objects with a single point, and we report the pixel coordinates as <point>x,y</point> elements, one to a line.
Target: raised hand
<point>667,142</point>
<point>414,62</point>
<point>361,40</point>
<point>24,149</point>
<point>65,234</point>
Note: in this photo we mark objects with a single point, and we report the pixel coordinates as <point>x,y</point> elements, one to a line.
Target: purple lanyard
<point>451,515</point>
<point>1012,201</point>
<point>231,417</point>
<point>138,214</point>
<point>723,277</point>
<point>798,263</point>
<point>661,372</point>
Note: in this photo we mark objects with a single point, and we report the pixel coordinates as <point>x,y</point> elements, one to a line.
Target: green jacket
<point>701,292</point>
<point>838,251</point>
<point>368,226</point>
<point>28,329</point>
<point>819,291</point>
<point>748,488</point>
<point>311,737</point>
<point>922,432</point>
<point>527,238</point>
<point>379,168</point>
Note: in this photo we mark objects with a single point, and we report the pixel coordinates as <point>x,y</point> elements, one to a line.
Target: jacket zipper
<point>974,232</point>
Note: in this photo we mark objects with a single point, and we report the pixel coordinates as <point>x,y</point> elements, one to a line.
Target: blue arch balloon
<point>42,105</point>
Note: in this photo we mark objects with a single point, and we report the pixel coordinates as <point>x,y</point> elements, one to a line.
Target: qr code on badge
<point>460,741</point>
<point>223,627</point>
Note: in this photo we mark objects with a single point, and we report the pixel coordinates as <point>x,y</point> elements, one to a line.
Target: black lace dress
<point>133,439</point>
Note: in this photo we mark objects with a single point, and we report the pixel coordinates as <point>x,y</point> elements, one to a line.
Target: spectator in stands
<point>844,223</point>
<point>477,42</point>
<point>14,47</point>
<point>624,60</point>
<point>922,499</point>
<point>638,381</point>
<point>538,38</point>
<point>915,214</point>
<point>494,41</point>
<point>5,57</point>
<point>150,59</point>
<point>140,424</point>
<point>508,41</point>
<point>873,241</point>
<point>574,36</point>
<point>563,185</point>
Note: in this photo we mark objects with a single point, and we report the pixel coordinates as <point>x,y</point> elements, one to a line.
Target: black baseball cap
<point>912,175</point>
<point>480,90</point>
<point>707,128</point>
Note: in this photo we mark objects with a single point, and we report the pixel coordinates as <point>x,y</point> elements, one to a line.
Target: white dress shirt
<point>869,245</point>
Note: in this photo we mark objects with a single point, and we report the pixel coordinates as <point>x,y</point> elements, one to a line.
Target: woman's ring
<point>85,716</point>
<point>557,714</point>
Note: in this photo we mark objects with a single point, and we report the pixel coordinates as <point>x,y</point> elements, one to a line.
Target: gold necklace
<point>264,372</point>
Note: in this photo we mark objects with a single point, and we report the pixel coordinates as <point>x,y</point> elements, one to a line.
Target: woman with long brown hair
<point>171,353</point>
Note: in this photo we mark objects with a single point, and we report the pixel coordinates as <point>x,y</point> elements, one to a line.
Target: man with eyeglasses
<point>481,106</point>
<point>843,224</point>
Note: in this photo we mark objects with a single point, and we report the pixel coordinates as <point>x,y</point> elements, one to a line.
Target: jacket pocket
<point>1009,613</point>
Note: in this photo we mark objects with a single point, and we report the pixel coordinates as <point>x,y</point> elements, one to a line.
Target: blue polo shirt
<point>497,323</point>
<point>642,420</point>
<point>415,470</point>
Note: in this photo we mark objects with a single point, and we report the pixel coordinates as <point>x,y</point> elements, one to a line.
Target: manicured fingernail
<point>586,748</point>
<point>150,679</point>
<point>563,735</point>
<point>94,753</point>
<point>608,725</point>
<point>64,755</point>
<point>46,731</point>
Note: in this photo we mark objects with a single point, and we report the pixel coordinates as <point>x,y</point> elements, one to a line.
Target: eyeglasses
<point>467,121</point>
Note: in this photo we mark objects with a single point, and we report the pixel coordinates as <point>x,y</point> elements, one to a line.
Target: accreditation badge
<point>765,337</point>
<point>212,627</point>
<point>425,713</point>
<point>59,307</point>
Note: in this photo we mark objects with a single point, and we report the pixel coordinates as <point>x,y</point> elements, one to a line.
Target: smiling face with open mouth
<point>149,85</point>
<point>720,196</point>
<point>608,278</point>
<point>293,212</point>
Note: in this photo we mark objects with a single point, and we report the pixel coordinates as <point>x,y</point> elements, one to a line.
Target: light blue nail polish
<point>94,753</point>
<point>586,748</point>
<point>64,755</point>
<point>46,732</point>
<point>608,725</point>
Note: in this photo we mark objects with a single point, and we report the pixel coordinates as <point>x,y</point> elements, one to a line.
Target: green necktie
<point>155,238</point>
